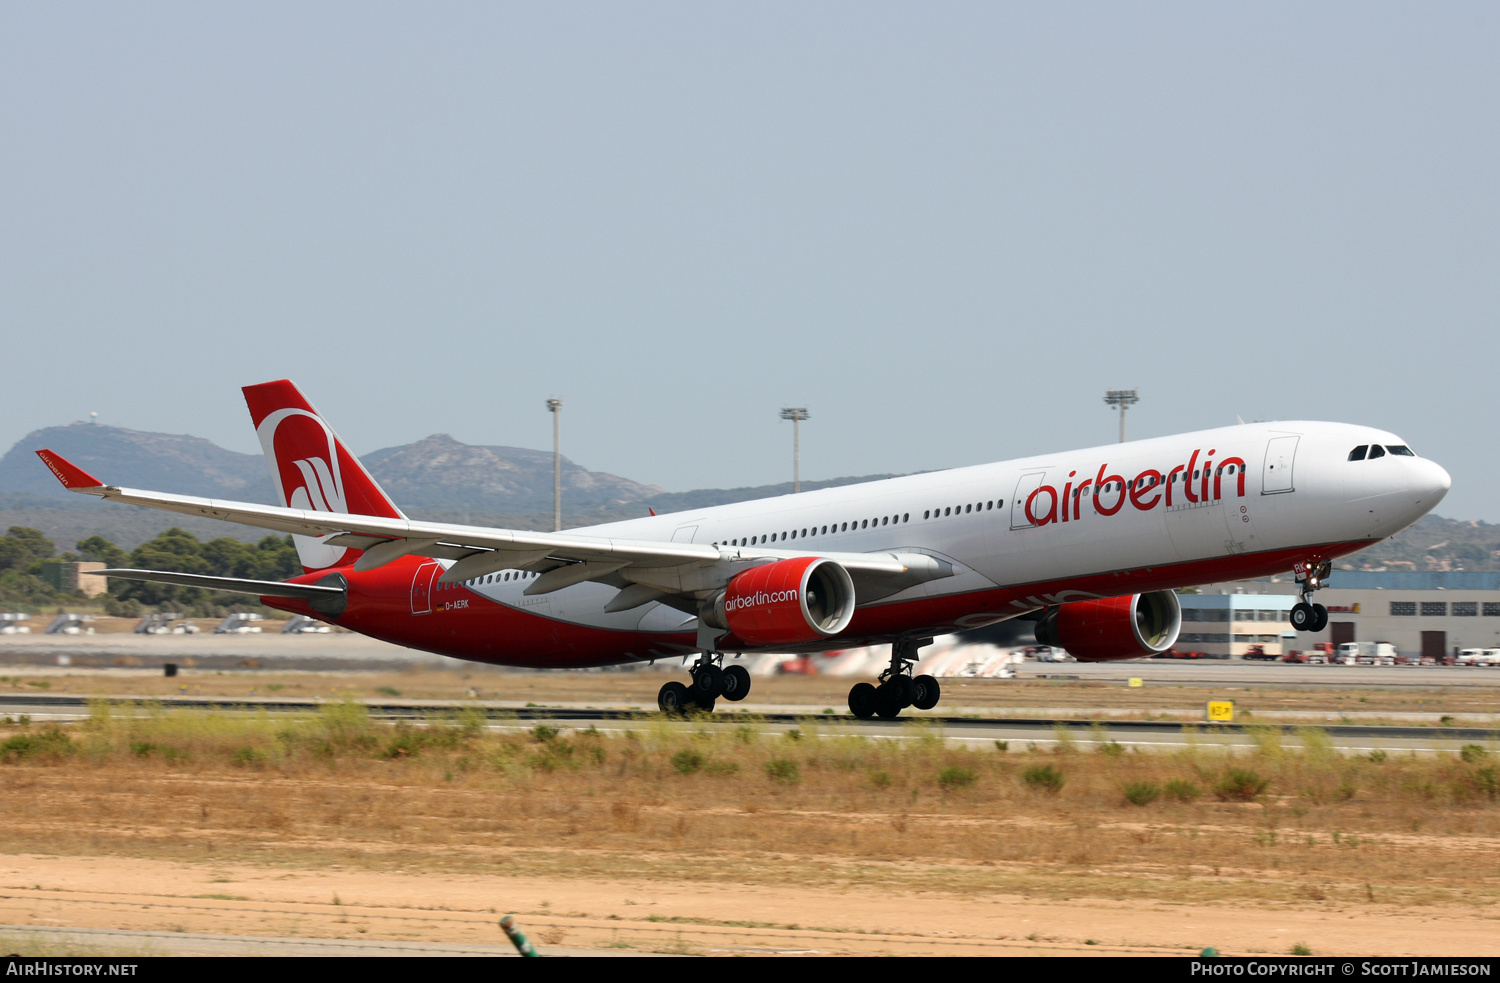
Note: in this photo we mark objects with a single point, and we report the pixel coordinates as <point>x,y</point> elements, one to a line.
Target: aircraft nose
<point>1435,481</point>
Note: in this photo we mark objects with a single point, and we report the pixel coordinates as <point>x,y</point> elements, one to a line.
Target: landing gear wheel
<point>709,681</point>
<point>889,702</point>
<point>925,692</point>
<point>900,689</point>
<point>736,683</point>
<point>862,699</point>
<point>673,698</point>
<point>1303,616</point>
<point>1320,618</point>
<point>700,700</point>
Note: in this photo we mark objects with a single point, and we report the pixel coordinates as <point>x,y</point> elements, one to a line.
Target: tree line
<point>23,551</point>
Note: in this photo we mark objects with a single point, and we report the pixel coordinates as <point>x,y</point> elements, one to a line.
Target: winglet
<point>71,475</point>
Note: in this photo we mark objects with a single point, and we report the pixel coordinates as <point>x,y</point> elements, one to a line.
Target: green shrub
<point>1043,778</point>
<point>881,779</point>
<point>543,733</point>
<point>1002,746</point>
<point>1377,756</point>
<point>49,742</point>
<point>406,744</point>
<point>246,757</point>
<point>1112,749</point>
<point>1488,782</point>
<point>784,771</point>
<point>1142,793</point>
<point>1182,790</point>
<point>1472,753</point>
<point>687,761</point>
<point>956,776</point>
<point>1240,785</point>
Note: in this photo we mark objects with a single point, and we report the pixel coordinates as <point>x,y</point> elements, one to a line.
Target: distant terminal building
<point>1427,614</point>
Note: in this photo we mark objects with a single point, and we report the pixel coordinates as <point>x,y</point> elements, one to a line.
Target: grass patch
<point>1044,778</point>
<point>956,777</point>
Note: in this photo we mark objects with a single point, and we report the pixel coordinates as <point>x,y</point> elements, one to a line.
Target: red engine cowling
<point>1114,627</point>
<point>788,602</point>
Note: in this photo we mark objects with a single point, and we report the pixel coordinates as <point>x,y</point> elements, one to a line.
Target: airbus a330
<point>1090,544</point>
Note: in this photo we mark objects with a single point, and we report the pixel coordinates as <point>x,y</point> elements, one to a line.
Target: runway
<point>967,728</point>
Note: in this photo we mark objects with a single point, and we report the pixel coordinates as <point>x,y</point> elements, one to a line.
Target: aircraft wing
<point>563,559</point>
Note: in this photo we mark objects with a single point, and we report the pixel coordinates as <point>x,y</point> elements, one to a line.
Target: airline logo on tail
<point>305,478</point>
<point>311,468</point>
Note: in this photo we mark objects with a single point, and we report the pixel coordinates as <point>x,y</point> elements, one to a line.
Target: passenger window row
<point>962,509</point>
<point>882,520</point>
<point>1375,450</point>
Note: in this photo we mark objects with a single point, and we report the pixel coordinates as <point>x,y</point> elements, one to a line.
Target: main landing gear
<point>897,689</point>
<point>710,681</point>
<point>1311,576</point>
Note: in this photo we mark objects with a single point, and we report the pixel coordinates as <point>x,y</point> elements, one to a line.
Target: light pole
<point>554,406</point>
<point>1121,398</point>
<point>796,414</point>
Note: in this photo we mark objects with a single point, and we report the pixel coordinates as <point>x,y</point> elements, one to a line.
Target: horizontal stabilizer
<point>263,588</point>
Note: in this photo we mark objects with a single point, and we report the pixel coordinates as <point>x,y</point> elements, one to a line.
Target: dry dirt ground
<point>667,913</point>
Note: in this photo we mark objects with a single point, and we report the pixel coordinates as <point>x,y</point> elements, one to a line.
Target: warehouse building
<point>1427,614</point>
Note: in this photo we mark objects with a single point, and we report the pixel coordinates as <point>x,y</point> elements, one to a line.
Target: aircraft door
<point>421,588</point>
<point>1276,476</point>
<point>1028,483</point>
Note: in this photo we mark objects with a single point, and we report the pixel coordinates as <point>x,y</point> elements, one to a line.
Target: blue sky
<point>945,229</point>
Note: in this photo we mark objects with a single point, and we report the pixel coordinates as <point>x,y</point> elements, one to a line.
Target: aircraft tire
<point>736,683</point>
<point>925,692</point>
<point>862,700</point>
<point>673,697</point>
<point>1303,616</point>
<point>709,681</point>
<point>891,700</point>
<point>698,700</point>
<point>1320,618</point>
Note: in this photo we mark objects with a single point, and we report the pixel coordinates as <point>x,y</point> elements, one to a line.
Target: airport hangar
<point>1432,614</point>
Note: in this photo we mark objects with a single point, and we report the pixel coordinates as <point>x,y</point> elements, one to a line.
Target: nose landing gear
<point>898,689</point>
<point>710,682</point>
<point>1311,575</point>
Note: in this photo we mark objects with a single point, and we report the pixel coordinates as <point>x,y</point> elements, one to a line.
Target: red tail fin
<point>311,468</point>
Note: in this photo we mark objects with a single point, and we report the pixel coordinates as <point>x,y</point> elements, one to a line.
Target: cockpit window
<point>1400,450</point>
<point>1376,451</point>
<point>1358,454</point>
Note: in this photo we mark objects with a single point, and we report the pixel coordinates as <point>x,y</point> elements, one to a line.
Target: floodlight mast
<point>554,406</point>
<point>796,414</point>
<point>1121,398</point>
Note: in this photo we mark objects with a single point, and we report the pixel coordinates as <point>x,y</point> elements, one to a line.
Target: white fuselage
<point>1164,512</point>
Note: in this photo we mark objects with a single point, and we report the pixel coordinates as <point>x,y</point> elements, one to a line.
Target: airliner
<point>1089,544</point>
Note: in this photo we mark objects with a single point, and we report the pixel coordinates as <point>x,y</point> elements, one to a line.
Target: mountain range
<point>437,478</point>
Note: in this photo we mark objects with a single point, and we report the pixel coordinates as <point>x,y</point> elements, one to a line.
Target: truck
<point>1478,657</point>
<point>1257,653</point>
<point>1366,654</point>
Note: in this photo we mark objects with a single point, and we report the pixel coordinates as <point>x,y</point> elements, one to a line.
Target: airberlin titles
<point>759,597</point>
<point>1145,491</point>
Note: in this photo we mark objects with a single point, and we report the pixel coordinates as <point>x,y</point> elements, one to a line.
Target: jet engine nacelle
<point>789,602</point>
<point>1114,627</point>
